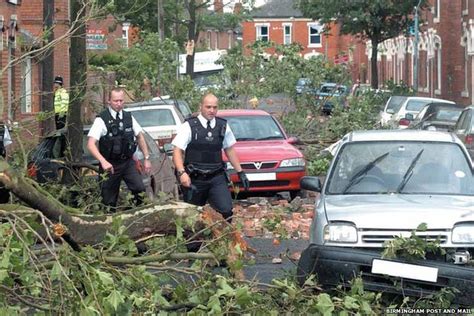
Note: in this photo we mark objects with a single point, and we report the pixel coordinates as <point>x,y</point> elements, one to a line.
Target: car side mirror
<point>409,116</point>
<point>390,111</point>
<point>311,183</point>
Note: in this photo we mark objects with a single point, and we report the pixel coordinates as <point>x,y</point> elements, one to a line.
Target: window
<point>286,33</point>
<point>125,33</point>
<point>209,39</point>
<point>436,11</point>
<point>314,33</point>
<point>26,86</point>
<point>14,1</point>
<point>229,34</point>
<point>262,32</point>
<point>465,7</point>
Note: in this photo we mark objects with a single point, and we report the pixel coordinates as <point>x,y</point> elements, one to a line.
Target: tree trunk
<point>78,75</point>
<point>47,70</point>
<point>374,69</point>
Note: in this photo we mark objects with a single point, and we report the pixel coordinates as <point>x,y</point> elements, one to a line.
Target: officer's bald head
<point>209,105</point>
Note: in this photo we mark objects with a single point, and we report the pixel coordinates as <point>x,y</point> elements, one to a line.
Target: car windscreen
<point>403,167</point>
<point>154,117</point>
<point>254,127</point>
<point>395,102</point>
<point>416,105</point>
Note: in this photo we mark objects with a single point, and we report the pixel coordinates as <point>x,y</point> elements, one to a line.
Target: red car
<point>266,153</point>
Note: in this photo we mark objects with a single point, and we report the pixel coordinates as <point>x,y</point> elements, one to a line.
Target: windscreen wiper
<point>245,138</point>
<point>409,173</point>
<point>358,176</point>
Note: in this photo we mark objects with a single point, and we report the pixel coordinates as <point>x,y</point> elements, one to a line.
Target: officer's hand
<point>245,181</point>
<point>107,166</point>
<point>185,180</point>
<point>147,164</point>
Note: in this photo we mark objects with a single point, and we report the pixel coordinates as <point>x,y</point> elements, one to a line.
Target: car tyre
<point>306,267</point>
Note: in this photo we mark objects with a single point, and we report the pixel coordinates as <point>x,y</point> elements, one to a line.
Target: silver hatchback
<point>383,184</point>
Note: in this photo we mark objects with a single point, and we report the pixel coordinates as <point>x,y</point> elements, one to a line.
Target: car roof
<point>400,135</point>
<point>429,99</point>
<point>148,105</point>
<point>241,112</point>
<point>445,105</point>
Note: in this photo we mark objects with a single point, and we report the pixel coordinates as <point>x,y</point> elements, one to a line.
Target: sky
<point>229,8</point>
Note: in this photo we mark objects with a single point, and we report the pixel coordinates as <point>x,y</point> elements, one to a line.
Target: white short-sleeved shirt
<point>7,140</point>
<point>98,128</point>
<point>184,134</point>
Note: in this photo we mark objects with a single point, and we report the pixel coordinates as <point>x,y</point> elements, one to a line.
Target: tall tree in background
<point>78,78</point>
<point>376,20</point>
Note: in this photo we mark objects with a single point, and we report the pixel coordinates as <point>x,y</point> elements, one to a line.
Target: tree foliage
<point>376,20</point>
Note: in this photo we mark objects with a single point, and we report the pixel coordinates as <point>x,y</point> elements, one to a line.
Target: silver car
<point>383,184</point>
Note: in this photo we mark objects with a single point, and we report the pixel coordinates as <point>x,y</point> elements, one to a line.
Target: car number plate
<point>261,176</point>
<point>405,270</point>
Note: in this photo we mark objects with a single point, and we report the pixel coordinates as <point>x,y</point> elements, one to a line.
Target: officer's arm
<point>234,160</point>
<point>178,161</point>
<point>92,146</point>
<point>144,148</point>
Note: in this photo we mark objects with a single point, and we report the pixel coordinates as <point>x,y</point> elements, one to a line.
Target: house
<point>445,53</point>
<point>280,22</point>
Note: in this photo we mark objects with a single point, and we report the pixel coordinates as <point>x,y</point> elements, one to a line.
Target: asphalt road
<point>263,270</point>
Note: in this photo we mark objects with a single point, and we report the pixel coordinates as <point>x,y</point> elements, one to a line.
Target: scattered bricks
<point>254,208</point>
<point>249,232</point>
<point>248,224</point>
<point>274,202</point>
<point>283,203</point>
<point>307,207</point>
<point>307,215</point>
<point>296,216</point>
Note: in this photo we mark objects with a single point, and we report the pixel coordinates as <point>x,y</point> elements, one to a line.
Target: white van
<point>411,105</point>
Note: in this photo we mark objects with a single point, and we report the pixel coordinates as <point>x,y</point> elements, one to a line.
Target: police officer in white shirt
<point>118,134</point>
<point>197,155</point>
<point>5,141</point>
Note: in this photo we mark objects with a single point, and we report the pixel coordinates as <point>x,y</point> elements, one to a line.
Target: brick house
<point>445,50</point>
<point>278,21</point>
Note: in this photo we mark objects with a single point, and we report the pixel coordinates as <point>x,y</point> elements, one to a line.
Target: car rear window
<point>448,114</point>
<point>154,117</point>
<point>416,105</point>
<point>395,102</point>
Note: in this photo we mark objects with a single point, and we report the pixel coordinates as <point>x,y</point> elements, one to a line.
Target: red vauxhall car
<point>266,153</point>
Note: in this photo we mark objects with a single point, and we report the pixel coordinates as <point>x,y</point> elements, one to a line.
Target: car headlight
<point>229,166</point>
<point>344,233</point>
<point>463,234</point>
<point>295,162</point>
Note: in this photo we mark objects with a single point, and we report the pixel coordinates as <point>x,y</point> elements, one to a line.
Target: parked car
<point>436,117</point>
<point>391,107</point>
<point>464,129</point>
<point>385,183</point>
<point>46,163</point>
<point>158,119</point>
<point>305,86</point>
<point>412,106</point>
<point>331,94</point>
<point>181,105</point>
<point>266,153</point>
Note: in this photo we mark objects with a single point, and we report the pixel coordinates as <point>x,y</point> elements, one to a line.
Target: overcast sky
<point>228,4</point>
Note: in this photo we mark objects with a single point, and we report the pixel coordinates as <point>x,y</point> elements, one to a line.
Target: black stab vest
<point>2,138</point>
<point>119,142</point>
<point>205,149</point>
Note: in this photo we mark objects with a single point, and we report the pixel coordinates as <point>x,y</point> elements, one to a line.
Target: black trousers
<point>4,195</point>
<point>213,190</point>
<point>60,121</point>
<point>123,170</point>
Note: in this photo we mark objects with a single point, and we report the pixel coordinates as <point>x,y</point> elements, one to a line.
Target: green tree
<point>376,20</point>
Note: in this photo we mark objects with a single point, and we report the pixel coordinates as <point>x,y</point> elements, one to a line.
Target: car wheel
<point>306,267</point>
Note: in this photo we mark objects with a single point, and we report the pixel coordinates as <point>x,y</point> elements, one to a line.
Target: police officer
<point>118,133</point>
<point>61,102</point>
<point>197,155</point>
<point>5,141</point>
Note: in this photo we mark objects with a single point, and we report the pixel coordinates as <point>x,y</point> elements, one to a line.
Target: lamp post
<point>415,50</point>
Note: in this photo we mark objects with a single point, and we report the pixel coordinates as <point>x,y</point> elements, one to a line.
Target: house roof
<point>277,9</point>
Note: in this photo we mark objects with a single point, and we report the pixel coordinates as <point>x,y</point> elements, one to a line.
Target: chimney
<point>238,7</point>
<point>218,6</point>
